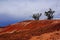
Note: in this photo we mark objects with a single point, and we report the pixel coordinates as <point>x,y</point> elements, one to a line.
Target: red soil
<point>28,29</point>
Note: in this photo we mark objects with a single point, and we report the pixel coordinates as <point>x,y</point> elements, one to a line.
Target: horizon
<point>12,11</point>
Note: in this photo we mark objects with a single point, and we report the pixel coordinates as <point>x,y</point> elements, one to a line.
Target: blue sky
<point>12,11</point>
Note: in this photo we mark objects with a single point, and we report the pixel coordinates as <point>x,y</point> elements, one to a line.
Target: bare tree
<point>37,16</point>
<point>49,14</point>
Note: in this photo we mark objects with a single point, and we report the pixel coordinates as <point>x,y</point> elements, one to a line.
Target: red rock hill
<point>26,29</point>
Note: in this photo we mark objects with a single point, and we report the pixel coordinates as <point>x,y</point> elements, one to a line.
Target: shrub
<point>49,14</point>
<point>37,16</point>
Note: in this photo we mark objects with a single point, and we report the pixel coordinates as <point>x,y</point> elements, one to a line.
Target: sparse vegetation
<point>49,14</point>
<point>37,16</point>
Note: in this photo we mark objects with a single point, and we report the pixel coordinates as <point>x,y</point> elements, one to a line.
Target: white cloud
<point>21,8</point>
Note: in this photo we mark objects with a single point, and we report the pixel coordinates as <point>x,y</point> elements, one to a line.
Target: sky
<point>12,11</point>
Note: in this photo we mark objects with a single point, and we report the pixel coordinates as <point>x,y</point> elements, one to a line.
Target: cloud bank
<point>18,9</point>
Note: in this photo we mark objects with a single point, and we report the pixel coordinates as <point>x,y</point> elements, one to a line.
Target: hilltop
<point>30,29</point>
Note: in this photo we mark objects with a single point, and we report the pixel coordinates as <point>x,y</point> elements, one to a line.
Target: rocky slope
<point>32,30</point>
<point>48,36</point>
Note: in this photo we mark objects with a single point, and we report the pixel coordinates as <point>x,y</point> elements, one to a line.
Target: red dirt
<point>28,30</point>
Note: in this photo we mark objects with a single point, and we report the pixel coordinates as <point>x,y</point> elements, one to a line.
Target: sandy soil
<point>32,30</point>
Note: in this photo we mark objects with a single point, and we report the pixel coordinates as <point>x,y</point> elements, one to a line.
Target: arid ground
<point>32,30</point>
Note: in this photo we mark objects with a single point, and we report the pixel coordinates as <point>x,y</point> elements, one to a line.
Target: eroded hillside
<point>31,30</point>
